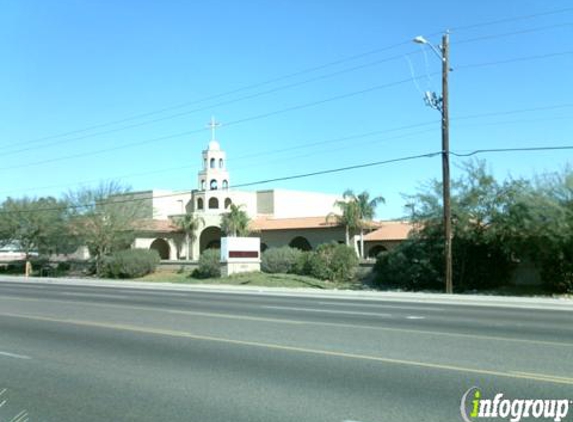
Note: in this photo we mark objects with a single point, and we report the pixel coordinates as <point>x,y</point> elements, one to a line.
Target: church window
<point>225,184</point>
<point>220,163</point>
<point>213,203</point>
<point>200,204</point>
<point>213,184</point>
<point>212,163</point>
<point>205,163</point>
<point>228,203</point>
<point>202,184</point>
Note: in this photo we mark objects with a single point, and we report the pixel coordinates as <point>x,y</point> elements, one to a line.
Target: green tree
<point>348,218</point>
<point>36,226</point>
<point>539,227</point>
<point>235,222</point>
<point>188,224</point>
<point>366,210</point>
<point>357,214</point>
<point>104,218</point>
<point>482,256</point>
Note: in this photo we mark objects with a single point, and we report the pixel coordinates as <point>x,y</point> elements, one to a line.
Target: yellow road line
<point>274,346</point>
<point>303,322</point>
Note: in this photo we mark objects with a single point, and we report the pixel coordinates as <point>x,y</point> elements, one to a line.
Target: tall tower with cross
<point>213,178</point>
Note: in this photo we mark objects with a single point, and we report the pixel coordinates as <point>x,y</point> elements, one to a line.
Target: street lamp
<point>441,104</point>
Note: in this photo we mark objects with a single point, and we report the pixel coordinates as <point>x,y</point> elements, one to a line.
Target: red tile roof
<point>266,223</point>
<point>164,226</point>
<point>390,230</point>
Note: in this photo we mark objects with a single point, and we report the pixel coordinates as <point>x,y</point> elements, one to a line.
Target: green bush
<point>209,264</point>
<point>410,266</point>
<point>302,264</point>
<point>332,261</point>
<point>280,260</point>
<point>130,263</point>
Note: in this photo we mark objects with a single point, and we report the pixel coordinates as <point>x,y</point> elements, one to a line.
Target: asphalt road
<point>77,353</point>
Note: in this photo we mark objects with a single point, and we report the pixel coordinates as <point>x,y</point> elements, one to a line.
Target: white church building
<point>279,217</point>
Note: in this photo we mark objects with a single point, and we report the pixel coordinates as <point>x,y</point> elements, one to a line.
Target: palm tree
<point>357,212</point>
<point>348,218</point>
<point>188,224</point>
<point>366,210</point>
<point>235,222</point>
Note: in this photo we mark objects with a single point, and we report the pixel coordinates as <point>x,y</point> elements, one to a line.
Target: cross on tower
<point>213,125</point>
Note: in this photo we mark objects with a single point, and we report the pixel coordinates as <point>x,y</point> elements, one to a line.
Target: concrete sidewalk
<point>561,303</point>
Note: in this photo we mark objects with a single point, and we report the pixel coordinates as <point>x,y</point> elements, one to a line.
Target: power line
<point>331,141</point>
<point>509,112</point>
<point>259,154</point>
<point>311,174</point>
<point>512,19</point>
<point>508,34</point>
<point>335,140</point>
<point>298,176</point>
<point>287,76</point>
<point>517,149</point>
<point>211,106</point>
<point>231,123</point>
<point>515,60</point>
<point>284,110</point>
<point>226,93</point>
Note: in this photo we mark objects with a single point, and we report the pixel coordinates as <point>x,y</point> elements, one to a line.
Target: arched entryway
<point>301,243</point>
<point>376,250</point>
<point>210,238</point>
<point>162,248</point>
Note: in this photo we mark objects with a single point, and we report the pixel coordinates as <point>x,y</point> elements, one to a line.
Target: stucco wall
<point>265,202</point>
<point>277,238</point>
<point>291,204</point>
<point>166,203</point>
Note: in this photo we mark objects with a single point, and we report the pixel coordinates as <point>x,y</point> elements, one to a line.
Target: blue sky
<point>299,86</point>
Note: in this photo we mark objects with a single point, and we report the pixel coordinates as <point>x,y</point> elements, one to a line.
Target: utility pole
<point>445,49</point>
<point>441,104</point>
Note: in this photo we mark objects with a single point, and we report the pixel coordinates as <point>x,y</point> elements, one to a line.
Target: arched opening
<point>162,248</point>
<point>213,184</point>
<point>210,238</point>
<point>202,184</point>
<point>301,243</point>
<point>205,163</point>
<point>200,203</point>
<point>212,163</point>
<point>264,247</point>
<point>213,204</point>
<point>376,250</point>
<point>220,163</point>
<point>225,184</point>
<point>228,203</point>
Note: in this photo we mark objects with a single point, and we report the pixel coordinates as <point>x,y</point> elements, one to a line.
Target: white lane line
<point>14,355</point>
<point>383,306</point>
<point>155,294</point>
<point>415,317</point>
<point>329,311</point>
<point>94,295</point>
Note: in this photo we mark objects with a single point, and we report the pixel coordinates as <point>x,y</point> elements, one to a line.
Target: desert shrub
<point>209,265</point>
<point>412,265</point>
<point>130,263</point>
<point>302,264</point>
<point>280,260</point>
<point>332,261</point>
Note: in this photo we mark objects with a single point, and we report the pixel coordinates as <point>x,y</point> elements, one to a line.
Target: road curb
<point>562,304</point>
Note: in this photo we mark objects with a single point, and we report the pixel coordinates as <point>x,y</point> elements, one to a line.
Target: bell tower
<point>213,178</point>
